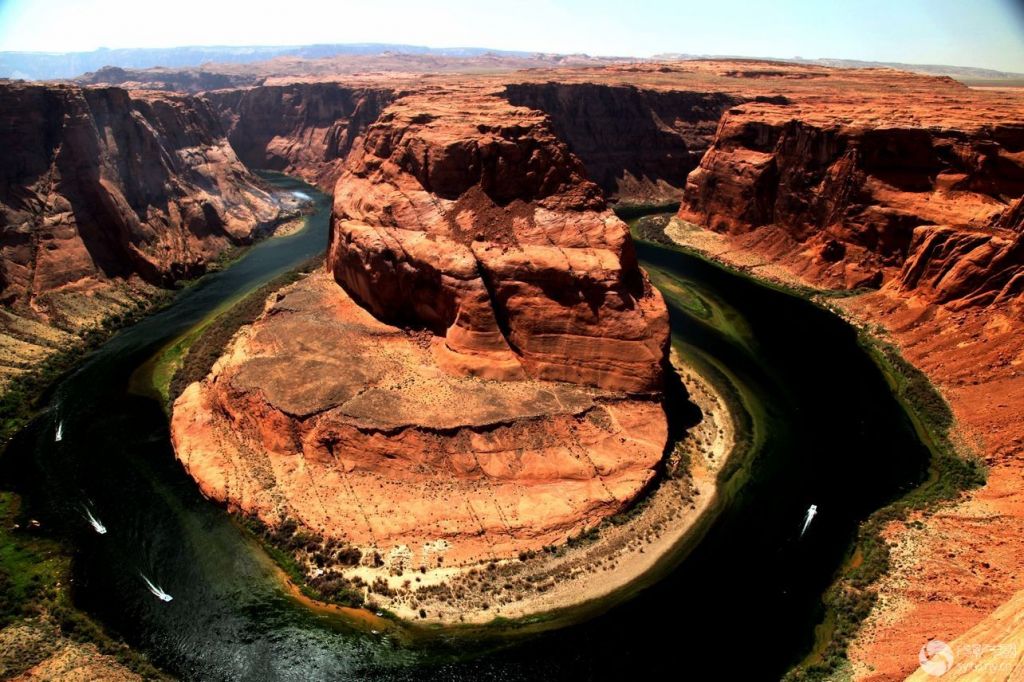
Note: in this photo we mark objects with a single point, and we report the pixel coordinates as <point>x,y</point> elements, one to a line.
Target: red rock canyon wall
<point>637,144</point>
<point>103,183</point>
<point>304,129</point>
<point>929,206</point>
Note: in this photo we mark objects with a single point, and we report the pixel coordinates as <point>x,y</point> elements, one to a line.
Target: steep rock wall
<point>868,200</point>
<point>486,380</point>
<point>303,129</point>
<point>637,144</point>
<point>100,184</point>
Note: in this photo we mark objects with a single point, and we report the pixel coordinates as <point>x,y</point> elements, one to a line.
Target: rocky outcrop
<point>856,200</point>
<point>105,184</point>
<point>303,129</point>
<point>965,267</point>
<point>472,220</point>
<point>321,413</point>
<point>486,380</point>
<point>105,194</point>
<point>190,81</point>
<point>637,144</point>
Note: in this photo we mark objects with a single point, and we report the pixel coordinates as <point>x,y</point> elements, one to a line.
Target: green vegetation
<point>191,356</point>
<point>585,537</point>
<point>30,566</point>
<point>35,573</point>
<point>950,472</point>
<point>24,396</point>
<point>292,548</point>
<point>802,291</point>
<point>853,594</point>
<point>35,567</point>
<point>630,211</point>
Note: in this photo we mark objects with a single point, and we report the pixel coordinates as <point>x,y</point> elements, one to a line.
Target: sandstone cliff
<point>849,202</point>
<point>303,129</point>
<point>487,378</point>
<point>637,144</point>
<point>473,220</point>
<point>323,414</point>
<point>100,187</point>
<point>467,228</point>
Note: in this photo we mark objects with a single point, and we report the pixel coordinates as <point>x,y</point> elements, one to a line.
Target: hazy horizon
<point>984,34</point>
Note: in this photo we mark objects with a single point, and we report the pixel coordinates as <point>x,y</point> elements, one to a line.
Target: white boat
<point>811,512</point>
<point>157,591</point>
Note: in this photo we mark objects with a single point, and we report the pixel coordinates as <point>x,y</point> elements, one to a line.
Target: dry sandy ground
<point>34,650</point>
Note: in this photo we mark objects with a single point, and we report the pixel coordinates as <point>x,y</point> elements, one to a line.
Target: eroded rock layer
<point>461,214</point>
<point>465,215</point>
<point>303,129</point>
<point>105,194</point>
<point>477,374</point>
<point>853,201</point>
<point>637,144</point>
<point>104,183</point>
<point>323,414</point>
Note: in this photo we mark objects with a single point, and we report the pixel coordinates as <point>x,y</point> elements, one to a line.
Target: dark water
<point>742,606</point>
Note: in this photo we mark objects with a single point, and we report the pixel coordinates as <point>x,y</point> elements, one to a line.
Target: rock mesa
<point>477,374</point>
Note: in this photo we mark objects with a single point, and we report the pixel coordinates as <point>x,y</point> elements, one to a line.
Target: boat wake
<point>94,522</point>
<point>59,436</point>
<point>811,512</point>
<point>157,592</point>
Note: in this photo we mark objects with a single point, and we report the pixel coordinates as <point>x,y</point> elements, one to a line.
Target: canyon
<point>106,197</point>
<point>862,179</point>
<point>470,264</point>
<point>480,369</point>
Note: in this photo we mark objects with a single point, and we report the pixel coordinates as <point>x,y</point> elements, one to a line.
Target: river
<point>822,425</point>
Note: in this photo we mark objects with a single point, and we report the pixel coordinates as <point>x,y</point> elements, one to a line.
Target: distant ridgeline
<point>51,65</point>
<point>59,65</point>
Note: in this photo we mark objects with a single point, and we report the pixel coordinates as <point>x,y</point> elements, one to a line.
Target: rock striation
<point>100,186</point>
<point>105,183</point>
<point>303,129</point>
<point>638,144</point>
<point>473,220</point>
<point>854,202</point>
<point>323,414</point>
<point>474,251</point>
<point>479,371</point>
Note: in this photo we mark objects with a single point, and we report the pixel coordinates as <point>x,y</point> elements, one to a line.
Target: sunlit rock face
<point>302,129</point>
<point>473,220</point>
<point>101,183</point>
<point>322,413</point>
<point>847,197</point>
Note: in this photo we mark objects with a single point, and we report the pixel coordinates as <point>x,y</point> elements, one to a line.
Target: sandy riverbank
<point>290,226</point>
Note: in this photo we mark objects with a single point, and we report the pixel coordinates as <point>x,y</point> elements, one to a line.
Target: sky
<point>982,33</point>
